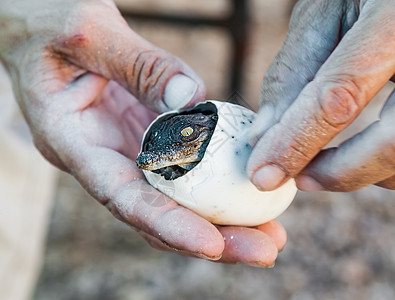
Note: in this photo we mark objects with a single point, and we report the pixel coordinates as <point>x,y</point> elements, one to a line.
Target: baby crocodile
<point>177,144</point>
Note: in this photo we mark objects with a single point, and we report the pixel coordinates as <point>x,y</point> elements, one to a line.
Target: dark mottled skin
<point>176,145</point>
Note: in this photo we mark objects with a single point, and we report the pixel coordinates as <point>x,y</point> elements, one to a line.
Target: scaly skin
<point>177,144</point>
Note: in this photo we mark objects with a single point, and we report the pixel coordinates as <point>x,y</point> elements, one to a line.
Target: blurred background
<point>341,246</point>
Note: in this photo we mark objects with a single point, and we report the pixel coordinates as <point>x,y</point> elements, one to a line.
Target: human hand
<point>337,56</point>
<point>75,66</point>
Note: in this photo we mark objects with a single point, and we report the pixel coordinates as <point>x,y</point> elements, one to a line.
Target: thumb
<point>103,43</point>
<point>316,27</point>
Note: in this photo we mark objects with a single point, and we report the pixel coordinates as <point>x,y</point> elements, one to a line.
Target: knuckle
<point>388,183</point>
<point>344,182</point>
<point>340,182</point>
<point>296,157</point>
<point>340,104</point>
<point>299,9</point>
<point>339,186</point>
<point>302,7</point>
<point>312,7</point>
<point>333,174</point>
<point>151,69</point>
<point>79,23</point>
<point>75,33</point>
<point>143,67</point>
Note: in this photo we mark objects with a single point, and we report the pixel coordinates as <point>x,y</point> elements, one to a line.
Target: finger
<point>365,159</point>
<point>248,245</point>
<point>172,226</point>
<point>315,30</point>
<point>273,229</point>
<point>276,231</point>
<point>110,48</point>
<point>388,183</point>
<point>81,93</point>
<point>114,180</point>
<point>161,245</point>
<point>359,67</point>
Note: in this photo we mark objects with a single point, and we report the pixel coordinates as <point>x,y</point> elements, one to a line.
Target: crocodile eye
<point>187,131</point>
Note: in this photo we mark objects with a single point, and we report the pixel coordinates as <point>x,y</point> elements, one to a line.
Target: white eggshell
<point>218,188</point>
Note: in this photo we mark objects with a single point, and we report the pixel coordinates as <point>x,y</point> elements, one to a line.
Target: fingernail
<point>306,183</point>
<point>179,91</point>
<point>259,264</point>
<point>203,256</point>
<point>268,178</point>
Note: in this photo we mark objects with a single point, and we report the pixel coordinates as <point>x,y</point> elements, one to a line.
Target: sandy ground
<point>341,246</point>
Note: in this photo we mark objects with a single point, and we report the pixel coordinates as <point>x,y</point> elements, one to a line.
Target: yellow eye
<point>187,131</point>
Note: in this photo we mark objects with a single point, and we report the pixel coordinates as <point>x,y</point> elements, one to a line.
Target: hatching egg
<point>217,186</point>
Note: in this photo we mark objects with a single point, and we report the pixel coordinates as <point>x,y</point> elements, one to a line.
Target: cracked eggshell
<point>218,188</point>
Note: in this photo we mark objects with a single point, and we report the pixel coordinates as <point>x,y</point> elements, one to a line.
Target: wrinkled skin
<point>77,71</point>
<point>337,56</point>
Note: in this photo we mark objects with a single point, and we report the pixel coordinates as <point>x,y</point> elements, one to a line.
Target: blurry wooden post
<point>235,24</point>
<point>238,29</point>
